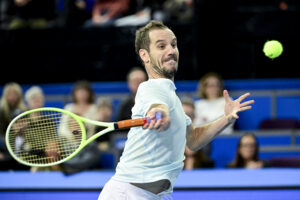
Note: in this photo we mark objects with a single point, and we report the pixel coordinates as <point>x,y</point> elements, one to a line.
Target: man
<point>135,76</point>
<point>153,155</point>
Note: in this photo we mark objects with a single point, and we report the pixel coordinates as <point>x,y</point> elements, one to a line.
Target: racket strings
<point>36,138</point>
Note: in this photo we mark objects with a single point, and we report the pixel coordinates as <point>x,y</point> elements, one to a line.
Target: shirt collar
<point>164,81</point>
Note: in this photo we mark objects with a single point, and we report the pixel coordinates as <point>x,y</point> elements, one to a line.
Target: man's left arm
<point>197,137</point>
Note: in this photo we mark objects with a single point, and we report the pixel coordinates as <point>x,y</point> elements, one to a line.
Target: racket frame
<point>80,120</point>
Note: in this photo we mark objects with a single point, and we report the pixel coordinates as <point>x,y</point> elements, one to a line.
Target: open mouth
<point>172,58</point>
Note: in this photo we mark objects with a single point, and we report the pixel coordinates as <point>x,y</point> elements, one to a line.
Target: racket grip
<point>131,123</point>
<point>135,122</point>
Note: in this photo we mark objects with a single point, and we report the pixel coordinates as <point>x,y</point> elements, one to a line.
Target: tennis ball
<point>272,49</point>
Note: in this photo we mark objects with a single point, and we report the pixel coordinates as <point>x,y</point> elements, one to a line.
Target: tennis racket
<point>49,136</point>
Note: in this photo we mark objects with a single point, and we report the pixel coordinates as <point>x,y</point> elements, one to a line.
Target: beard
<point>163,71</point>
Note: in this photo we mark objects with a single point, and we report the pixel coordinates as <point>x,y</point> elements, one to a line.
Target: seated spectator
<point>200,158</point>
<point>135,76</point>
<point>211,105</point>
<point>34,97</point>
<point>106,11</point>
<point>82,105</point>
<point>86,159</point>
<point>52,152</point>
<point>12,104</point>
<point>247,153</point>
<point>105,111</point>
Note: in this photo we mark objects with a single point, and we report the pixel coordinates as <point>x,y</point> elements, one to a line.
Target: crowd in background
<point>34,14</point>
<point>206,108</point>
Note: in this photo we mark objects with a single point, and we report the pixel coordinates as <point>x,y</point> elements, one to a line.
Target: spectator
<point>247,153</point>
<point>33,13</point>
<point>87,159</point>
<point>200,158</point>
<point>34,97</point>
<point>52,152</point>
<point>12,104</point>
<point>211,105</point>
<point>82,105</point>
<point>105,111</point>
<point>106,11</point>
<point>134,78</point>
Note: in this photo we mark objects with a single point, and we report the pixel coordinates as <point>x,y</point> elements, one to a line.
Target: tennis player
<point>153,155</point>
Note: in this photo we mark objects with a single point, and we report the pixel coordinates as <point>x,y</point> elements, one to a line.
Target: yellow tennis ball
<point>273,49</point>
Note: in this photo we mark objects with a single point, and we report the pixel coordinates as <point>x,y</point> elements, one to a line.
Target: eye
<point>174,44</point>
<point>161,46</point>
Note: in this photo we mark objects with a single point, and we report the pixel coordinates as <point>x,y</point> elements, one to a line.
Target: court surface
<point>231,184</point>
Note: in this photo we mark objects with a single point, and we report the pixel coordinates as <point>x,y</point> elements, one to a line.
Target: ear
<point>144,55</point>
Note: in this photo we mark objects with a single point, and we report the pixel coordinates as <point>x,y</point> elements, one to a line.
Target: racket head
<point>35,137</point>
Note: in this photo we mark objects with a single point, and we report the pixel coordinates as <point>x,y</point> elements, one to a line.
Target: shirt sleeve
<point>149,94</point>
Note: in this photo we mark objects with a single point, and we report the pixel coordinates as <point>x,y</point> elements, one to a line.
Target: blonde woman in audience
<point>211,104</point>
<point>12,104</point>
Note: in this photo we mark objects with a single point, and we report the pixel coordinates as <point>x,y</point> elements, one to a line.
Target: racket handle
<point>135,122</point>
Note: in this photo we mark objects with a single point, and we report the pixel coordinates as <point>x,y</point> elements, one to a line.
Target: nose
<point>171,50</point>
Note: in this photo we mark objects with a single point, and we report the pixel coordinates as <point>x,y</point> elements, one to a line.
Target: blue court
<point>273,183</point>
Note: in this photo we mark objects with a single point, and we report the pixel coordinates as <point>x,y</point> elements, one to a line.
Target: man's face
<point>163,52</point>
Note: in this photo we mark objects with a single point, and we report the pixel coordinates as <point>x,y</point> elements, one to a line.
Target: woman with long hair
<point>247,153</point>
<point>11,105</point>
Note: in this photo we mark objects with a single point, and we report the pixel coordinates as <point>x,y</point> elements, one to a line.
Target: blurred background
<point>56,41</point>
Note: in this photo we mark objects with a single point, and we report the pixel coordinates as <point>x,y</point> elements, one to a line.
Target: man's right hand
<point>162,123</point>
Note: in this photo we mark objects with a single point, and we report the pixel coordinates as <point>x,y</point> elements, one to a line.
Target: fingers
<point>247,103</point>
<point>235,115</point>
<point>151,122</point>
<point>241,110</point>
<point>226,95</point>
<point>245,108</point>
<point>244,96</point>
<point>158,123</point>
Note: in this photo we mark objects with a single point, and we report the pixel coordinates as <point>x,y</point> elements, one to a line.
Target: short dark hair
<point>142,39</point>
